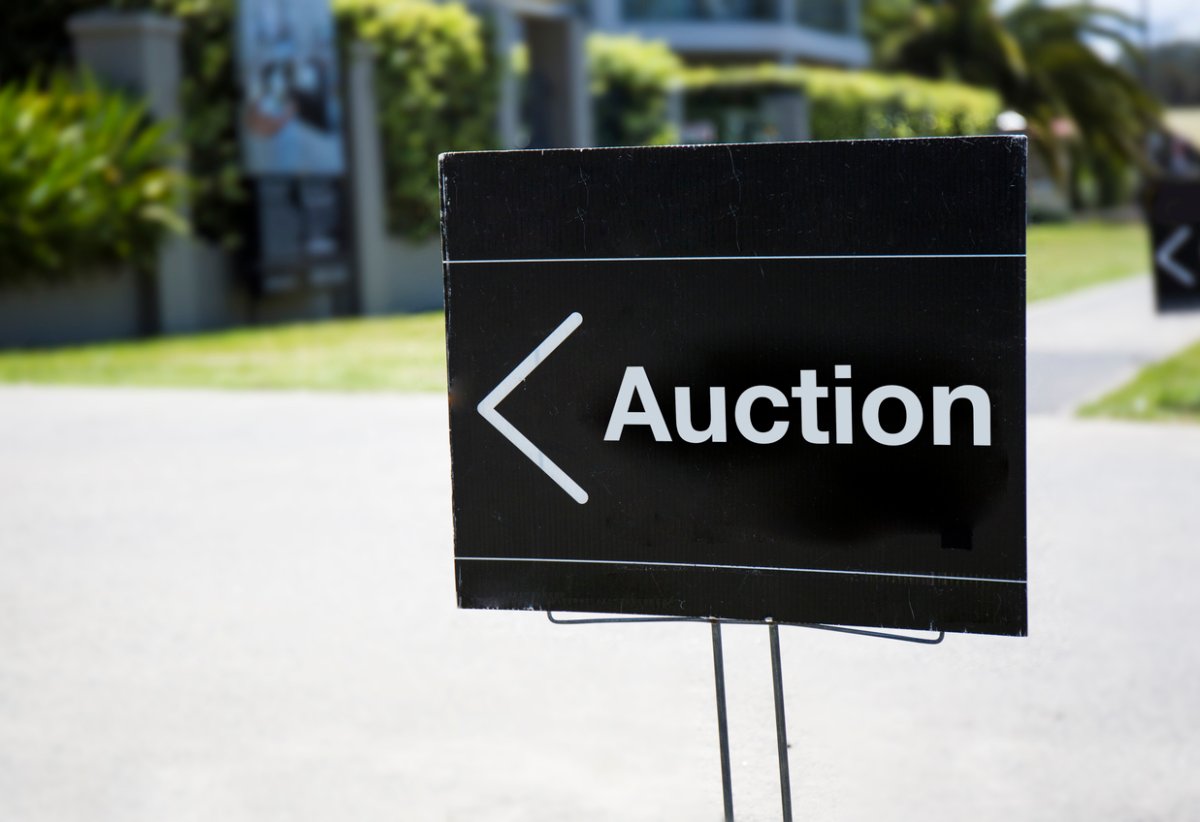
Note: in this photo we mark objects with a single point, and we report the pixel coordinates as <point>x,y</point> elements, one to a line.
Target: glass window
<point>683,10</point>
<point>826,15</point>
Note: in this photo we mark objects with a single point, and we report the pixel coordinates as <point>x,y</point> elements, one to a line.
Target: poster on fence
<point>291,113</point>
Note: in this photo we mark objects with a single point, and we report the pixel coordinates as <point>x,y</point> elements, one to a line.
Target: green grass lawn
<point>408,353</point>
<point>1064,257</point>
<point>392,354</point>
<point>1169,390</point>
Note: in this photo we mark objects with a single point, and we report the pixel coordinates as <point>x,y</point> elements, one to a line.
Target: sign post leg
<point>785,779</point>
<point>722,721</point>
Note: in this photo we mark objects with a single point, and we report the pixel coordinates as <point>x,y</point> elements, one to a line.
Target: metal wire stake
<point>785,779</point>
<point>722,721</point>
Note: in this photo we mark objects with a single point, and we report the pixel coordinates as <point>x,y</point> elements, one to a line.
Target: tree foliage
<point>33,35</point>
<point>1042,61</point>
<point>1173,72</point>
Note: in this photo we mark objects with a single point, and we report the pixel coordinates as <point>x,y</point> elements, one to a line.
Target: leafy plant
<point>85,181</point>
<point>33,35</point>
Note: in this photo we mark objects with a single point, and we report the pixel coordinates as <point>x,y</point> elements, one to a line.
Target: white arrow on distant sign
<point>1169,263</point>
<point>487,408</point>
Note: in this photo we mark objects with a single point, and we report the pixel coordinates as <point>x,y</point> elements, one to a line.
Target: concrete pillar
<point>677,109</point>
<point>392,274</point>
<point>607,15</point>
<point>139,52</point>
<point>789,15</point>
<point>789,111</point>
<point>134,51</point>
<point>562,116</point>
<point>507,33</point>
<point>367,180</point>
<point>854,17</point>
<point>582,125</point>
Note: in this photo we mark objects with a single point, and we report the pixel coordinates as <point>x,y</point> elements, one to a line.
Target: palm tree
<point>1041,60</point>
<point>963,40</point>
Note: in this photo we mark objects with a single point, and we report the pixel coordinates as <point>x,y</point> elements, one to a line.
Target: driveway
<point>240,606</point>
<point>1085,343</point>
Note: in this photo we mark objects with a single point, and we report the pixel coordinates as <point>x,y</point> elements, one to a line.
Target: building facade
<point>826,32</point>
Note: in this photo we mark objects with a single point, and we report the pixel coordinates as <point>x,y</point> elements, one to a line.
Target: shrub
<point>437,91</point>
<point>631,83</point>
<point>85,181</point>
<point>848,105</point>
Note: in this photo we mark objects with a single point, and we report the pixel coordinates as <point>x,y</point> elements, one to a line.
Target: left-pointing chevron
<point>1166,257</point>
<point>487,408</point>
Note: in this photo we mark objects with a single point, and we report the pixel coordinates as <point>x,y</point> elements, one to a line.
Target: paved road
<point>1086,343</point>
<point>240,607</point>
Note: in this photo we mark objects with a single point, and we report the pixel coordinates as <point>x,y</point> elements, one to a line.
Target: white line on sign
<point>487,408</point>
<point>1169,263</point>
<point>739,568</point>
<point>746,259</point>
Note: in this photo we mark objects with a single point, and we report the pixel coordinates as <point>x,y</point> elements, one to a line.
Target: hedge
<point>631,81</point>
<point>857,104</point>
<point>86,181</point>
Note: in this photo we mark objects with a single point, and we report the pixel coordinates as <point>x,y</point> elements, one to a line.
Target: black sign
<point>1175,239</point>
<point>744,381</point>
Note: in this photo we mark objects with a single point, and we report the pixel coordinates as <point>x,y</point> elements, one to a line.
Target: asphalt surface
<point>1085,343</point>
<point>241,607</point>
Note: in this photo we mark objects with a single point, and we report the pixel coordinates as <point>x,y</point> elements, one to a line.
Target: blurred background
<point>175,166</point>
<point>226,586</point>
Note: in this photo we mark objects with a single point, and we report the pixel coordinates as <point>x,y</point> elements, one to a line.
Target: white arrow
<point>487,408</point>
<point>1170,265</point>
